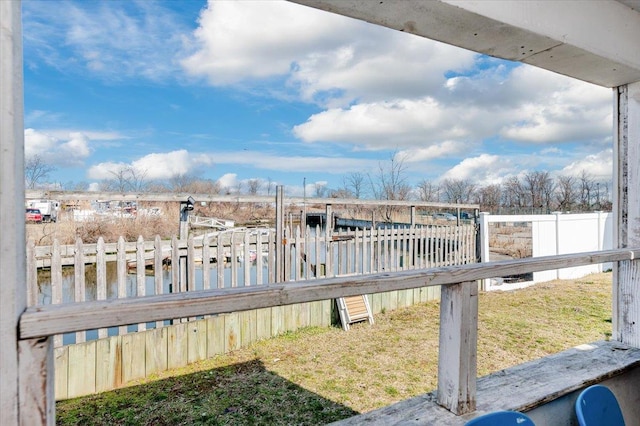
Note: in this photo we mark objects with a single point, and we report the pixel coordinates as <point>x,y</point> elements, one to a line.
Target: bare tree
<point>269,185</point>
<point>36,169</point>
<point>489,198</point>
<point>320,189</point>
<point>125,179</point>
<point>586,186</point>
<point>76,186</point>
<point>253,186</point>
<point>457,190</point>
<point>390,183</point>
<point>354,184</point>
<point>190,183</point>
<point>428,191</point>
<point>181,182</point>
<point>340,193</point>
<point>205,186</point>
<point>566,194</point>
<point>513,193</point>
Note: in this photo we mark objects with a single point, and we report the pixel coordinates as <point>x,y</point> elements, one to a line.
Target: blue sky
<point>272,90</point>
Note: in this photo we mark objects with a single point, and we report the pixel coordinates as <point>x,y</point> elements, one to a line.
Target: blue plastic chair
<point>501,418</point>
<point>598,406</point>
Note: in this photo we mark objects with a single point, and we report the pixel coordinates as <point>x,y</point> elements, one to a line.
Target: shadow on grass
<point>244,393</point>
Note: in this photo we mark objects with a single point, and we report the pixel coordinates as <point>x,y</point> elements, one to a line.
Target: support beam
<point>626,277</point>
<point>574,38</point>
<point>457,359</point>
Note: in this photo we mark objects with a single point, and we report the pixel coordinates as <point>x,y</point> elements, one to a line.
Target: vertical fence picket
<point>379,251</point>
<point>372,254</point>
<point>287,253</point>
<point>206,263</point>
<point>246,264</point>
<point>101,279</point>
<point>449,253</point>
<point>140,274</point>
<point>318,271</point>
<point>220,260</point>
<point>441,246</point>
<point>259,259</point>
<point>308,258</point>
<point>328,248</point>
<point>298,264</point>
<point>32,274</point>
<point>174,287</point>
<point>340,249</point>
<point>191,267</point>
<point>79,293</point>
<point>56,283</point>
<point>234,260</point>
<point>158,260</point>
<point>121,271</point>
<point>356,252</point>
<point>273,243</point>
<point>411,242</point>
<point>191,264</point>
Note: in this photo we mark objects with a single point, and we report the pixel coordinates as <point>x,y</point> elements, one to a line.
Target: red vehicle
<point>33,215</point>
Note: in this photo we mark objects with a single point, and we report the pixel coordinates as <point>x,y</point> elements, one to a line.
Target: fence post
<point>483,243</point>
<point>279,234</point>
<point>328,231</point>
<point>457,359</point>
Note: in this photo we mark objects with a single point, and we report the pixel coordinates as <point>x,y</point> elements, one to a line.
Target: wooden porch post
<point>626,157</point>
<point>26,367</point>
<point>457,358</point>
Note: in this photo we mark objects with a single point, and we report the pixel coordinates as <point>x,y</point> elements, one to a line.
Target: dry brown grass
<point>324,374</point>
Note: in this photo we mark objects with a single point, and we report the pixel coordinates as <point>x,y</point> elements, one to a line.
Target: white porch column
<point>26,367</point>
<point>626,156</point>
<point>12,245</point>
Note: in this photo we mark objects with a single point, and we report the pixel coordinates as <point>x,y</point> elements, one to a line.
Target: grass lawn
<point>319,375</point>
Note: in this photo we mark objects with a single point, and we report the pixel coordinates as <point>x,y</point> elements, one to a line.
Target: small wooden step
<point>354,309</point>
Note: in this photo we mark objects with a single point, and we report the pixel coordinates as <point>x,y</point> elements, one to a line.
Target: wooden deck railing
<point>458,313</point>
<point>237,258</point>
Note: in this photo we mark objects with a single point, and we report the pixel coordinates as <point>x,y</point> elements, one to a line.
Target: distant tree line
<point>531,192</point>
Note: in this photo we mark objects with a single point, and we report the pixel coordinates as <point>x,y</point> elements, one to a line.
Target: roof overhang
<point>594,41</point>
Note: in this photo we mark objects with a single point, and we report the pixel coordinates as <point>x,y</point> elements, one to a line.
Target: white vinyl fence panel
<point>555,234</point>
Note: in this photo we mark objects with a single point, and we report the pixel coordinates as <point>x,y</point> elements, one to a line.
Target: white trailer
<point>48,208</point>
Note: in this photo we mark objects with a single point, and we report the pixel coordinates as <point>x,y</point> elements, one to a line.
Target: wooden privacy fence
<point>88,361</point>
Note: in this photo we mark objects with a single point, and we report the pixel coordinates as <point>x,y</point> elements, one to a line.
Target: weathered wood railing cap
<point>49,320</point>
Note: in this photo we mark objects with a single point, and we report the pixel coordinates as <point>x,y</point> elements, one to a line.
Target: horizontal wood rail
<point>48,320</point>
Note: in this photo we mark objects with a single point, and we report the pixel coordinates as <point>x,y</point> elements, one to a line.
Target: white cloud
<point>554,108</point>
<point>155,166</point>
<point>384,89</point>
<point>135,39</point>
<point>106,170</point>
<point>483,170</point>
<point>158,166</point>
<point>317,53</point>
<point>166,165</point>
<point>69,150</point>
<point>228,180</point>
<point>284,163</point>
<point>599,165</point>
<point>433,152</point>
